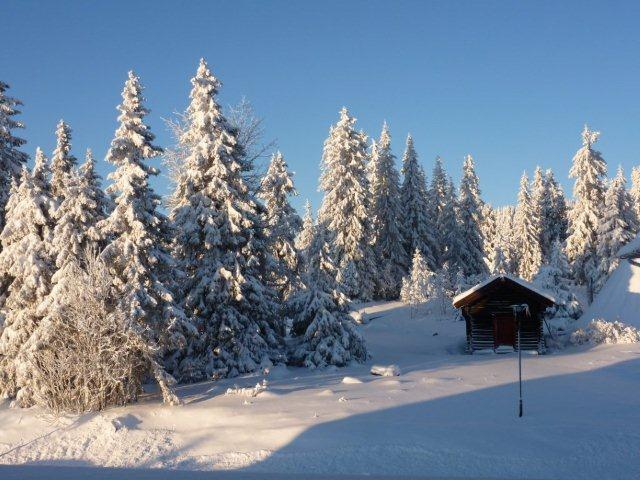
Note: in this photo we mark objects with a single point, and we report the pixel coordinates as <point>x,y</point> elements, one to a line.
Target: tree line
<point>102,291</point>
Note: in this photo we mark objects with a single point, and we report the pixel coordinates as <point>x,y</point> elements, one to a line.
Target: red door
<point>504,330</point>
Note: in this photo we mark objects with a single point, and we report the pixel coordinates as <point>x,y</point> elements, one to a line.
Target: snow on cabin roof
<point>631,249</point>
<point>461,296</point>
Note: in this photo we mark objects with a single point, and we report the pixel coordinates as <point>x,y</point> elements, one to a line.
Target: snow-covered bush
<point>601,331</point>
<point>88,355</point>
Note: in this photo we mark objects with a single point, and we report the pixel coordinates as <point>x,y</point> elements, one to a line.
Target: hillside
<point>447,414</point>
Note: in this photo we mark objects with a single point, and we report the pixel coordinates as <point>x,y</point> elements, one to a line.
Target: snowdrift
<point>619,299</point>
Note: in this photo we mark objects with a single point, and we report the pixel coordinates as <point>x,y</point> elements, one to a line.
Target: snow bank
<point>619,298</point>
<point>351,380</point>
<point>248,392</point>
<point>601,331</point>
<point>388,371</point>
<point>359,317</point>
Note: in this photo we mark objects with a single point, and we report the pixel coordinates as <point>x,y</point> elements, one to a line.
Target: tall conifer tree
<point>221,247</point>
<point>386,211</point>
<point>589,169</point>
<point>418,229</point>
<point>11,157</point>
<point>346,207</point>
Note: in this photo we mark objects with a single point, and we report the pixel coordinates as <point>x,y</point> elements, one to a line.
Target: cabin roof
<point>486,287</point>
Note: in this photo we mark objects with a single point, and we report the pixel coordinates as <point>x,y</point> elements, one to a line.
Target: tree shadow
<point>582,425</point>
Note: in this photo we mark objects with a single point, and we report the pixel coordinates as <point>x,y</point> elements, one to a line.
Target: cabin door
<point>504,330</point>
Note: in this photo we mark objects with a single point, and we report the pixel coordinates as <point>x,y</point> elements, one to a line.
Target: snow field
<point>447,414</point>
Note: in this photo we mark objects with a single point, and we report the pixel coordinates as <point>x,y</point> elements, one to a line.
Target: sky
<point>510,82</point>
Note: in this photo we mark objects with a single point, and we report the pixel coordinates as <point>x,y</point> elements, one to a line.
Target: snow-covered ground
<point>447,414</point>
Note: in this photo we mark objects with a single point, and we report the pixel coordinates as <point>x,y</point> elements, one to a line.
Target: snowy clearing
<point>448,414</point>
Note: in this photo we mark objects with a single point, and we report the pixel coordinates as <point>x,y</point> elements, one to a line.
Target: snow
<point>449,414</point>
<point>630,249</point>
<point>385,371</point>
<point>619,299</point>
<point>533,288</point>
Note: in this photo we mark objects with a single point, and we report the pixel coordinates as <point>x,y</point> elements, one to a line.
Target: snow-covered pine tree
<point>75,231</point>
<point>437,203</point>
<point>138,235</point>
<point>556,216</point>
<point>527,225</point>
<point>541,211</point>
<point>555,277</point>
<point>11,158</point>
<point>489,234</point>
<point>306,234</point>
<point>282,224</point>
<point>506,239</point>
<point>450,230</point>
<point>345,207</point>
<point>62,162</point>
<point>499,264</point>
<point>616,227</point>
<point>417,228</point>
<point>77,216</point>
<point>91,183</point>
<point>589,169</point>
<point>416,287</point>
<point>634,191</point>
<point>323,332</point>
<point>470,221</point>
<point>388,245</point>
<point>220,246</point>
<point>26,266</point>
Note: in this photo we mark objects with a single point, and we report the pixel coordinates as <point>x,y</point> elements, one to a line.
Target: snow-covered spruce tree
<point>616,227</point>
<point>83,206</point>
<point>634,191</point>
<point>138,235</point>
<point>556,216</point>
<point>489,234</point>
<point>555,277</point>
<point>75,231</point>
<point>506,238</point>
<point>527,228</point>
<point>282,224</point>
<point>388,245</point>
<point>92,186</point>
<point>499,264</point>
<point>449,229</point>
<point>306,234</point>
<point>416,287</point>
<point>11,158</point>
<point>437,200</point>
<point>62,162</point>
<point>323,332</point>
<point>589,169</point>
<point>220,246</point>
<point>541,211</point>
<point>26,266</point>
<point>248,128</point>
<point>345,207</point>
<point>417,228</point>
<point>470,221</point>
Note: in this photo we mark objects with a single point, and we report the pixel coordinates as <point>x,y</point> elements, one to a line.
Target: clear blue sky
<point>512,83</point>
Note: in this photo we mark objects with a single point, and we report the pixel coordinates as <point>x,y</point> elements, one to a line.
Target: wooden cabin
<point>488,311</point>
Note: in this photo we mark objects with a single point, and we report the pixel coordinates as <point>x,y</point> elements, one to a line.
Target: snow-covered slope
<point>447,414</point>
<point>619,298</point>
